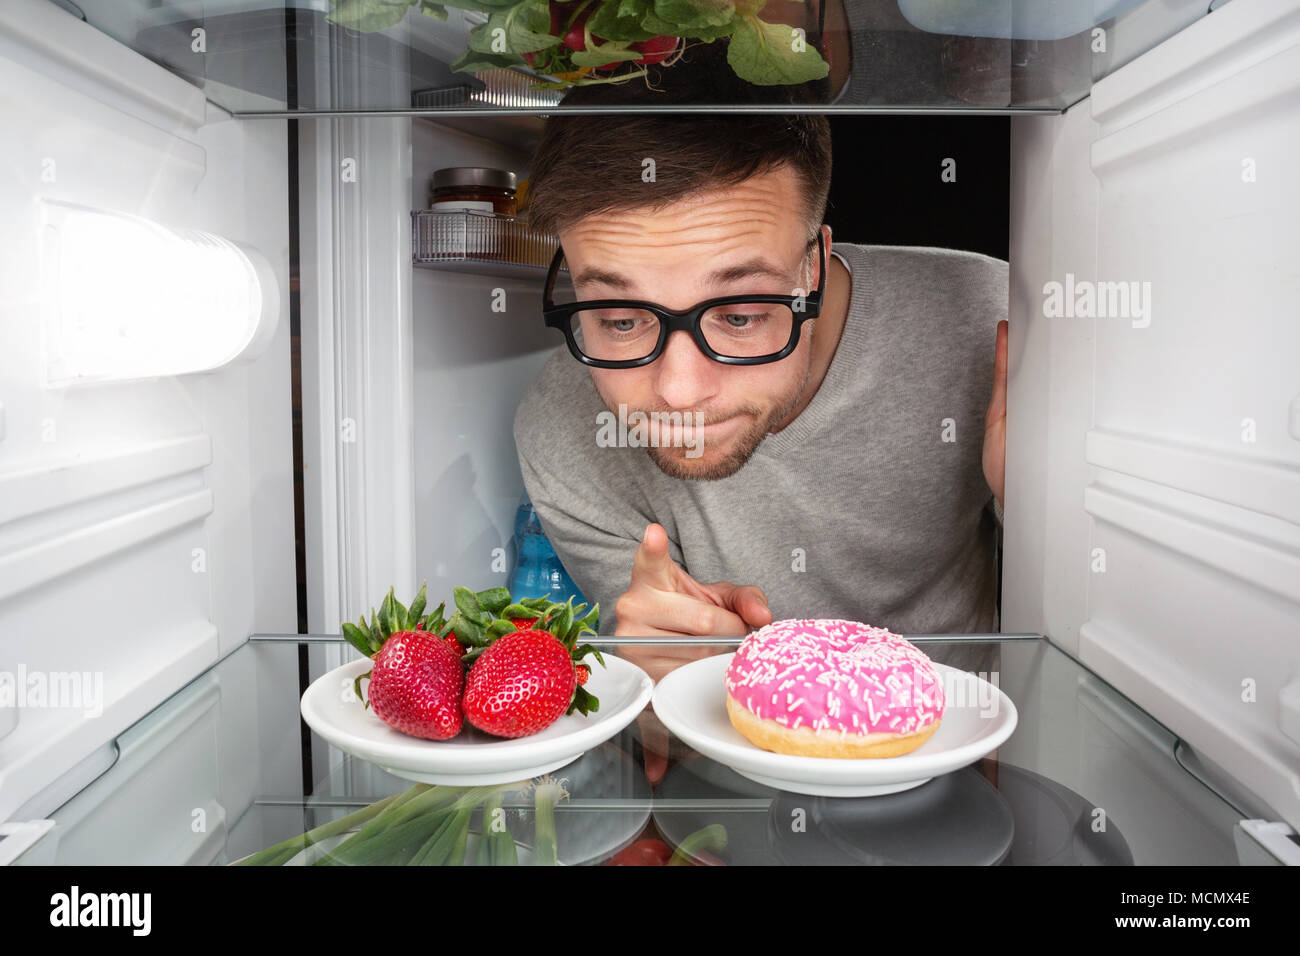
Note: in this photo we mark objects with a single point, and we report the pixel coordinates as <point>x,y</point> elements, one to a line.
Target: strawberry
<point>414,694</point>
<point>521,684</point>
<point>415,686</point>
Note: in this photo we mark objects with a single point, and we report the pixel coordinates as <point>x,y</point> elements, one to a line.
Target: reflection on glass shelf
<point>277,56</point>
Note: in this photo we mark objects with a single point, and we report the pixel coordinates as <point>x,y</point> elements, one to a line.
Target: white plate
<point>692,703</point>
<point>473,759</point>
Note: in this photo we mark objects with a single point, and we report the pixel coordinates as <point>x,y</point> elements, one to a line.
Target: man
<point>858,476</point>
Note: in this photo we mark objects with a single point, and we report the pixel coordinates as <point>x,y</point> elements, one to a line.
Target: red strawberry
<point>415,686</point>
<point>524,623</point>
<point>454,644</point>
<point>520,685</point>
<point>583,673</point>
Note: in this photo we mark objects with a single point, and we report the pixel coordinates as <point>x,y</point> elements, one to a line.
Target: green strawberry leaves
<point>581,652</point>
<point>392,617</point>
<point>435,621</point>
<point>360,639</point>
<point>583,702</point>
<point>466,602</point>
<point>563,621</point>
<point>356,686</point>
<point>416,609</point>
<point>494,600</point>
<point>519,612</point>
<point>469,632</point>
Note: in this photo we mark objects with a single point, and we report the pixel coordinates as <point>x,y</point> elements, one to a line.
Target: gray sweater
<point>858,509</point>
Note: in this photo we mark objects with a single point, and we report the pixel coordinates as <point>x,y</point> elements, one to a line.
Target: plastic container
<point>538,569</point>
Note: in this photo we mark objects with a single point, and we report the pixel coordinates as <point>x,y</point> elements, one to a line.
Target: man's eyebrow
<point>749,269</point>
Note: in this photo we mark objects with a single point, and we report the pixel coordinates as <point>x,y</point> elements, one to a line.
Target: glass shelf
<point>285,57</point>
<point>1079,746</point>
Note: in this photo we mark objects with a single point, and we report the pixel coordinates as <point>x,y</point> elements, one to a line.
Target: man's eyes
<point>627,324</point>
<point>738,321</point>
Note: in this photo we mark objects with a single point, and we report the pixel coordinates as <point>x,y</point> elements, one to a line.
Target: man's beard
<point>674,463</point>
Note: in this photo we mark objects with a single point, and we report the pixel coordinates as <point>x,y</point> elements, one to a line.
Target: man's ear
<point>814,260</point>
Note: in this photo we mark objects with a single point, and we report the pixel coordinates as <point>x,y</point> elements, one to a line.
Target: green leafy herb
<point>762,53</point>
<point>765,54</point>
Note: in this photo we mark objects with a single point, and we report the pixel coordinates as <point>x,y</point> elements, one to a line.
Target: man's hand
<point>664,601</point>
<point>995,424</point>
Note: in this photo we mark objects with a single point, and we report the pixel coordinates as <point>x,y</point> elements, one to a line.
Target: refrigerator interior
<point>1153,471</point>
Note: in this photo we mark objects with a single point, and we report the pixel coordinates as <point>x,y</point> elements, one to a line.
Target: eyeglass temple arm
<point>551,274</point>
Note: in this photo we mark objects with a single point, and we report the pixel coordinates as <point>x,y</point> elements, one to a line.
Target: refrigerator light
<point>127,298</point>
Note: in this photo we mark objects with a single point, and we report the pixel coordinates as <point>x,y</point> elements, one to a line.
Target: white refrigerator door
<point>146,525</point>
<point>1153,457</point>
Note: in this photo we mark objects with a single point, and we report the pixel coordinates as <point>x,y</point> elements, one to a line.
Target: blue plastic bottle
<point>538,569</point>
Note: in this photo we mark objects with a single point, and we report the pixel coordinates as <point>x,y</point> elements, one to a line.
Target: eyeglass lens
<point>736,330</point>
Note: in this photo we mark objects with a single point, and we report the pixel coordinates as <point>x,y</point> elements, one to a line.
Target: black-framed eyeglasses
<point>733,329</point>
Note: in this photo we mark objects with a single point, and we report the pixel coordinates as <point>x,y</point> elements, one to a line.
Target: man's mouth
<point>688,432</point>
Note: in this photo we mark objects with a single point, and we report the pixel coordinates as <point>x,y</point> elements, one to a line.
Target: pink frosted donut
<point>829,688</point>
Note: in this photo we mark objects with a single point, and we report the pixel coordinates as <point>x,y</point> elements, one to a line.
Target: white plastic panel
<point>410,379</point>
<point>473,363</point>
<point>1158,535</point>
<point>160,795</point>
<point>146,528</point>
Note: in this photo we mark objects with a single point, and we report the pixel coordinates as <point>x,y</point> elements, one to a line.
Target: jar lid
<point>473,176</point>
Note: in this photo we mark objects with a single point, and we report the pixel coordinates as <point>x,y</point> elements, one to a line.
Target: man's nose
<point>685,377</point>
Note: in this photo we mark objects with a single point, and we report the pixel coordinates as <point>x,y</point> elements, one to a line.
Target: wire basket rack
<point>470,238</point>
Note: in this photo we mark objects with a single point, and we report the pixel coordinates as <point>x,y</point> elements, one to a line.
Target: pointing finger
<point>652,567</point>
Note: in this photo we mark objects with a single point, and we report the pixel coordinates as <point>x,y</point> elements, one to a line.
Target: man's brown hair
<point>588,164</point>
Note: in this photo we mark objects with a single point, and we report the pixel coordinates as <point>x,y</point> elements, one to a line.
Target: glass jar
<point>476,188</point>
<point>483,193</point>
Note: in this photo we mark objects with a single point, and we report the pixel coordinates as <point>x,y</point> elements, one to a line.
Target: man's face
<point>670,257</point>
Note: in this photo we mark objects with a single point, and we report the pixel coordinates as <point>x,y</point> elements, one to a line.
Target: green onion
<point>287,849</point>
<point>546,793</point>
